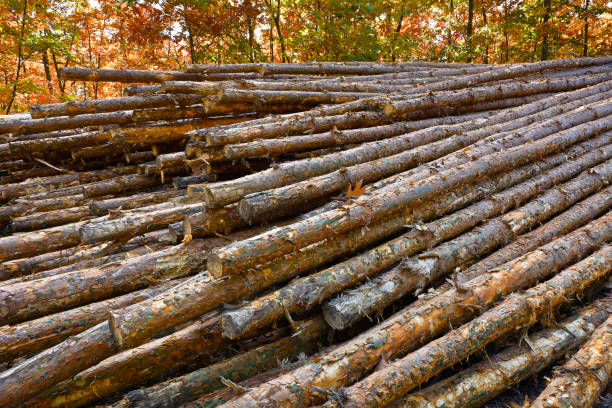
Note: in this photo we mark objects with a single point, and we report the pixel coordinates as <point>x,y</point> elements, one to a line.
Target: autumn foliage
<point>39,36</point>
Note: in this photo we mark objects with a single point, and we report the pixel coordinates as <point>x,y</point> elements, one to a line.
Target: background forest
<point>39,36</point>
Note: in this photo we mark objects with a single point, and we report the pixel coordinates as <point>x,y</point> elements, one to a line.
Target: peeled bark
<point>411,327</point>
<point>36,335</point>
<point>415,274</point>
<point>77,107</point>
<point>519,310</point>
<point>308,292</point>
<point>27,300</point>
<point>580,381</point>
<point>179,390</point>
<point>132,367</point>
<point>483,381</point>
<point>365,209</point>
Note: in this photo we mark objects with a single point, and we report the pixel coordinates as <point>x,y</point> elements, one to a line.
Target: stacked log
<point>335,234</point>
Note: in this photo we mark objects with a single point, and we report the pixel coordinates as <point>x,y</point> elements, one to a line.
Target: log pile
<point>321,234</point>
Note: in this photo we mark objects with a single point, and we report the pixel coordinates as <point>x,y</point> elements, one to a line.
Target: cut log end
<point>113,322</point>
<point>234,323</point>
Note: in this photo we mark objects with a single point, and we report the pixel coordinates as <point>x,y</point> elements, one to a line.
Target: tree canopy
<point>37,37</point>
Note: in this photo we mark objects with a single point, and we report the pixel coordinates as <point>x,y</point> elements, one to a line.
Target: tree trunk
<point>545,30</point>
<point>24,17</point>
<point>45,61</point>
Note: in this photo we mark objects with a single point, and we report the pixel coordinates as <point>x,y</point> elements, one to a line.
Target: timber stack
<point>356,234</point>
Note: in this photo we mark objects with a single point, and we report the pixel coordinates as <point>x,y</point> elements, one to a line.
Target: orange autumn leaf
<point>355,191</point>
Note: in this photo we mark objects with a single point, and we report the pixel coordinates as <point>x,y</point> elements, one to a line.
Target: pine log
<point>401,153</point>
<point>483,381</point>
<point>12,191</point>
<point>580,381</point>
<point>52,260</point>
<point>22,301</point>
<point>414,274</point>
<point>139,157</point>
<point>36,335</point>
<point>132,367</point>
<point>160,133</point>
<point>41,146</point>
<point>19,207</point>
<point>409,328</point>
<point>131,75</point>
<point>306,293</point>
<point>313,121</point>
<point>137,90</point>
<point>48,219</point>
<point>105,150</point>
<point>519,310</point>
<point>242,255</point>
<point>183,182</point>
<point>77,107</point>
<point>196,298</point>
<point>120,185</point>
<point>179,390</point>
<point>130,225</point>
<point>65,122</point>
<point>102,207</point>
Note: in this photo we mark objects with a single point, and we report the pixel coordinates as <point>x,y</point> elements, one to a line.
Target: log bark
<point>102,207</point>
<point>183,182</point>
<point>132,75</point>
<point>130,225</point>
<point>19,207</point>
<point>520,310</point>
<point>65,122</point>
<point>27,300</point>
<point>48,219</point>
<point>483,381</point>
<point>36,335</point>
<point>242,255</point>
<point>77,107</point>
<point>411,327</point>
<point>415,274</point>
<point>580,381</point>
<point>180,390</point>
<point>26,148</point>
<point>132,367</point>
<point>308,292</point>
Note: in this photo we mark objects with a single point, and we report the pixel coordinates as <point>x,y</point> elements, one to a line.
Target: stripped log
<point>130,225</point>
<point>483,381</point>
<point>36,335</point>
<point>26,300</point>
<point>580,381</point>
<point>306,293</point>
<point>414,274</point>
<point>76,107</point>
<point>127,369</point>
<point>412,327</point>
<point>131,75</point>
<point>519,310</point>
<point>177,391</point>
<point>242,255</point>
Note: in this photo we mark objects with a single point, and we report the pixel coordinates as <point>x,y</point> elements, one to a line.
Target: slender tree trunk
<point>506,40</point>
<point>585,50</point>
<point>484,20</point>
<point>61,84</point>
<point>271,41</point>
<point>470,28</point>
<point>545,50</point>
<point>398,29</point>
<point>19,56</point>
<point>45,61</point>
<point>281,40</point>
<point>249,20</point>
